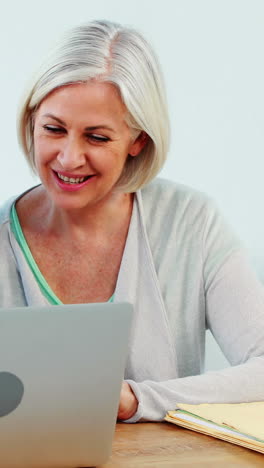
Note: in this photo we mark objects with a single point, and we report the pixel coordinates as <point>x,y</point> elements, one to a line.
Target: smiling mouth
<point>72,180</point>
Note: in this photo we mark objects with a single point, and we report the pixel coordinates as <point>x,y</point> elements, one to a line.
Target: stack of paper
<point>241,423</point>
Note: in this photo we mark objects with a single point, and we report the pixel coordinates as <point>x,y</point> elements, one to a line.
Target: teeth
<point>70,180</point>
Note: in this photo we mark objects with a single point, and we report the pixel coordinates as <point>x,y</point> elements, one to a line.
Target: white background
<point>211,52</point>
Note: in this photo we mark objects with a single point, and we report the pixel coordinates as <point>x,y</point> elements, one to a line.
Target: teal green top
<point>45,288</point>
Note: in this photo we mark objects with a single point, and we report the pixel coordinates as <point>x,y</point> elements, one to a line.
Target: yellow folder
<point>240,423</point>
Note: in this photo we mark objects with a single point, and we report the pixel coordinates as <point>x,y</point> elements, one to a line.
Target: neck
<point>105,218</point>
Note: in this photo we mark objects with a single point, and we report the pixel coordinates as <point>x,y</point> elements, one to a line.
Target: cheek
<point>37,145</point>
<point>106,159</point>
<point>114,163</point>
<point>42,150</point>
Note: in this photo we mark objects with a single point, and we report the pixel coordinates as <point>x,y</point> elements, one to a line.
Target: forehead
<point>84,101</point>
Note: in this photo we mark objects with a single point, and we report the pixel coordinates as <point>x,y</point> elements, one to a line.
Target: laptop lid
<point>61,369</point>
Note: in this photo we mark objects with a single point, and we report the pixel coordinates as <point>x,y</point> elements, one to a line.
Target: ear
<point>139,144</point>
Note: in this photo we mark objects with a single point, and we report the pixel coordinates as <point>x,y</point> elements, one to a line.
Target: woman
<point>94,126</point>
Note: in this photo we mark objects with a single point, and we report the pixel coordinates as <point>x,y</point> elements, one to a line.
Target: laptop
<point>61,370</point>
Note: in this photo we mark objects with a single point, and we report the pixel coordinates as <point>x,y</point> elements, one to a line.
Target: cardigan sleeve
<point>234,308</point>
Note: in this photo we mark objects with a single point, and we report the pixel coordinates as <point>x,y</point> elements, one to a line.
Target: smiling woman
<point>109,53</point>
<point>81,144</point>
<point>94,126</point>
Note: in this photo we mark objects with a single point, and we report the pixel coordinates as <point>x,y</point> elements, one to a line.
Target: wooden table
<point>164,445</point>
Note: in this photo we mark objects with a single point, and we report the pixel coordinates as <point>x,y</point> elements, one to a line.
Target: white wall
<point>212,55</point>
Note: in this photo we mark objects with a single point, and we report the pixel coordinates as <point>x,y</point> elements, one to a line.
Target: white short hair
<point>113,53</point>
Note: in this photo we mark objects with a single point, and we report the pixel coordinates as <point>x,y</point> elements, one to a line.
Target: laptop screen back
<point>61,369</point>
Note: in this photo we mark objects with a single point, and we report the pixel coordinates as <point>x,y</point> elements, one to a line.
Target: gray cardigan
<point>184,271</point>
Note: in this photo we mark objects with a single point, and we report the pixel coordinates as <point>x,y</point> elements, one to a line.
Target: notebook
<point>238,423</point>
<point>61,369</point>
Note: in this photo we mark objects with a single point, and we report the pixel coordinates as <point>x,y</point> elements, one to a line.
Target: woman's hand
<point>128,403</point>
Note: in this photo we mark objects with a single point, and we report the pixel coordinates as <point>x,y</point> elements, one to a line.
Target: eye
<point>54,129</point>
<point>97,138</point>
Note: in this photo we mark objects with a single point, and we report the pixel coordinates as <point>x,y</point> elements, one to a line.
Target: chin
<point>77,200</point>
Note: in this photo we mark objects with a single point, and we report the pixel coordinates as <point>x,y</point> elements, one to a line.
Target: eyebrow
<point>92,128</point>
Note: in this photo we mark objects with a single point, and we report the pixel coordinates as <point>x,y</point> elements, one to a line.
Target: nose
<point>72,154</point>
